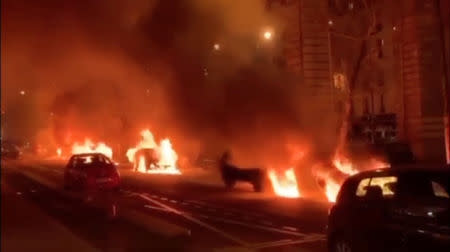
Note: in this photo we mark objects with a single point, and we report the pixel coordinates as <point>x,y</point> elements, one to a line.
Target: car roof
<point>405,169</point>
<point>88,154</point>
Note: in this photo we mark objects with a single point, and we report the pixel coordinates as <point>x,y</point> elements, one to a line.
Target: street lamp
<point>217,46</point>
<point>22,92</point>
<point>267,35</point>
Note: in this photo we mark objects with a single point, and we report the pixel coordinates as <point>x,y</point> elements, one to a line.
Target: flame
<point>331,189</point>
<point>347,168</point>
<point>285,186</point>
<point>59,152</point>
<point>167,157</point>
<point>344,165</point>
<point>141,165</point>
<point>89,147</point>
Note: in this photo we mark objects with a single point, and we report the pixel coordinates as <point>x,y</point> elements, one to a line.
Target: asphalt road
<point>164,212</point>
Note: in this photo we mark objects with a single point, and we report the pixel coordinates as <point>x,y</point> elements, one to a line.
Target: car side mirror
<point>374,193</point>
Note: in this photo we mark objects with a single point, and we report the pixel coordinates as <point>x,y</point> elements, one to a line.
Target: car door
<point>423,210</point>
<point>372,212</point>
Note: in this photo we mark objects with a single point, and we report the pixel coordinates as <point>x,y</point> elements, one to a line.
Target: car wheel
<point>257,186</point>
<point>68,185</point>
<point>229,184</point>
<point>341,245</point>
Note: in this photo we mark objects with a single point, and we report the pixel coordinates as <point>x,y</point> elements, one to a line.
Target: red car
<point>91,171</point>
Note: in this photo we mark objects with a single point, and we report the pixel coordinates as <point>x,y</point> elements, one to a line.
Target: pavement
<point>178,213</point>
<point>25,226</point>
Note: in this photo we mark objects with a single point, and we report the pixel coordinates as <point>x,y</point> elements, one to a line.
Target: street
<point>163,212</point>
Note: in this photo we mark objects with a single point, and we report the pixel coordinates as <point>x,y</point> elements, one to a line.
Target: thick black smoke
<point>108,68</point>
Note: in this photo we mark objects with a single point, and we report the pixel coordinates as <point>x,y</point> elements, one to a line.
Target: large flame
<point>344,165</point>
<point>89,147</point>
<point>347,168</point>
<point>167,157</point>
<point>286,184</point>
<point>331,189</point>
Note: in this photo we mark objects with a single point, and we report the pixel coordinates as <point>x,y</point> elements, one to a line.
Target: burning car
<point>10,151</point>
<point>232,174</point>
<point>150,157</point>
<point>146,155</point>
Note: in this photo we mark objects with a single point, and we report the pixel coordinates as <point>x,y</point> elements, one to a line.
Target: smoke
<point>107,69</point>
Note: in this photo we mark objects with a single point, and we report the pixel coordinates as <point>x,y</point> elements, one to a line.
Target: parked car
<point>396,209</point>
<point>10,151</point>
<point>91,171</point>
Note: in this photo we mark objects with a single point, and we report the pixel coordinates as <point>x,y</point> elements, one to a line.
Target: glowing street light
<point>267,35</point>
<point>217,46</point>
<point>22,92</point>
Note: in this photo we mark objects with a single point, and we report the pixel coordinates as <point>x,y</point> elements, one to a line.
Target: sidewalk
<point>24,227</point>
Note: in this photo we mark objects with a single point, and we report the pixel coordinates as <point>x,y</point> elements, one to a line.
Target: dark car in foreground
<point>91,171</point>
<point>395,209</point>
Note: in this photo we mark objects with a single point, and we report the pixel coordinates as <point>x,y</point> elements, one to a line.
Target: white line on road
<point>290,228</point>
<point>255,226</point>
<point>197,221</point>
<point>156,208</point>
<point>279,244</point>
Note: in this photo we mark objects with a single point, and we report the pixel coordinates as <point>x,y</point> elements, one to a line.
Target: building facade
<point>389,55</point>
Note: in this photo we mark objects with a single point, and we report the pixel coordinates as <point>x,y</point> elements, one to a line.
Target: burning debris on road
<point>284,185</point>
<point>149,157</point>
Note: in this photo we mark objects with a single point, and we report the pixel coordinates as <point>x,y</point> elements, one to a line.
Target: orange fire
<point>344,165</point>
<point>89,147</point>
<point>331,189</point>
<point>166,155</point>
<point>286,185</point>
<point>347,168</point>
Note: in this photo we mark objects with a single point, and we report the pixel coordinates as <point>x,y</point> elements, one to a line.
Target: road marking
<point>279,244</point>
<point>255,226</point>
<point>156,208</point>
<point>290,228</point>
<point>271,243</point>
<point>197,221</point>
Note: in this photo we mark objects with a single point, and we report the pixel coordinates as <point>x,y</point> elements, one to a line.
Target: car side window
<point>361,189</point>
<point>439,190</point>
<point>386,183</point>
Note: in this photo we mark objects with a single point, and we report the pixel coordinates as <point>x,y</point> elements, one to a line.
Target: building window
<point>350,6</point>
<point>366,106</point>
<point>382,108</point>
<point>380,44</point>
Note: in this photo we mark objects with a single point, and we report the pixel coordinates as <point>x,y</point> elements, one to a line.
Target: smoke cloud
<point>107,69</point>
